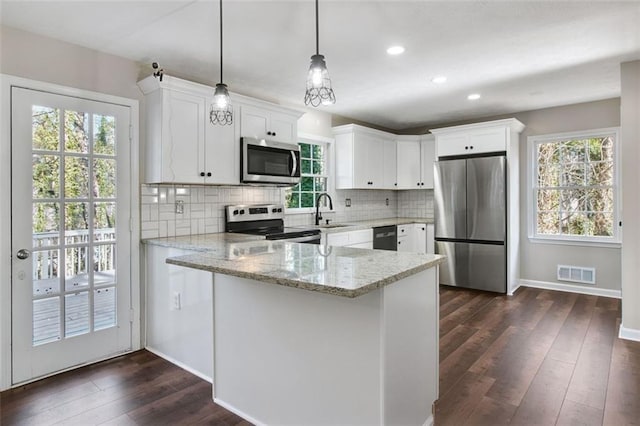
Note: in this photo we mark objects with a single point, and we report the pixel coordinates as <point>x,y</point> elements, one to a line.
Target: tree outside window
<point>574,186</point>
<point>313,181</point>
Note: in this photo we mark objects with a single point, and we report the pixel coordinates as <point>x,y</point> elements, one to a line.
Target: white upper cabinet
<point>416,155</point>
<point>360,158</point>
<point>182,146</point>
<point>479,138</point>
<point>265,123</point>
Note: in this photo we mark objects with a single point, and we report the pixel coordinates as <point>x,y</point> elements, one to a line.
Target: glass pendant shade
<point>221,111</point>
<point>319,89</point>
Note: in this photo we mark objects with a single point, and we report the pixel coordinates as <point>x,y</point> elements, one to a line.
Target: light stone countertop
<point>341,271</point>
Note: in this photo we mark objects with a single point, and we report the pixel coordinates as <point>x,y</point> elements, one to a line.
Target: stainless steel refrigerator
<point>470,222</point>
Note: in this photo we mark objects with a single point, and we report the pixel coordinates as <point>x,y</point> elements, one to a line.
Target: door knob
<point>23,254</point>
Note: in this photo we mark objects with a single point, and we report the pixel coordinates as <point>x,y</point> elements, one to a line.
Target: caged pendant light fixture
<point>221,111</point>
<point>319,89</point>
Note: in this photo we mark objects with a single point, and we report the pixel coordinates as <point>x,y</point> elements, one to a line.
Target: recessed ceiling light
<point>473,96</point>
<point>395,50</point>
<point>439,79</point>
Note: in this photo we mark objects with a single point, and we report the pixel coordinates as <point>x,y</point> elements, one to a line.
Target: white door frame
<point>6,82</point>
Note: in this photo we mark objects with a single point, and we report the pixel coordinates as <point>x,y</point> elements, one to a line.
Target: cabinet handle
<point>471,147</point>
<point>418,183</point>
<point>422,184</point>
<point>273,133</point>
<point>269,133</point>
<point>466,147</point>
<point>395,184</point>
<point>209,174</point>
<point>202,174</point>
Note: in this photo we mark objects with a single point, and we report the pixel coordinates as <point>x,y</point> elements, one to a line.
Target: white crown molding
<point>512,123</point>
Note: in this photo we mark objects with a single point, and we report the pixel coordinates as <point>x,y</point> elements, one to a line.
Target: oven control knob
<point>241,211</point>
<point>274,210</point>
<point>235,212</point>
<point>279,210</point>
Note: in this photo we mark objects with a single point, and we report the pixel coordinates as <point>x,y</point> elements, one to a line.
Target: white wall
<point>630,117</point>
<point>34,57</point>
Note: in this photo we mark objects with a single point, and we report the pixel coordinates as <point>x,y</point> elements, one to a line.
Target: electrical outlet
<point>180,207</point>
<point>176,301</point>
<point>386,201</point>
<point>347,202</point>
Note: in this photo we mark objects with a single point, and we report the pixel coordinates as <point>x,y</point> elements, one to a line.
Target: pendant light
<point>319,89</point>
<point>221,111</point>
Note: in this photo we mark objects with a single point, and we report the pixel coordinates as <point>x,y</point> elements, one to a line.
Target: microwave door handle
<point>294,163</point>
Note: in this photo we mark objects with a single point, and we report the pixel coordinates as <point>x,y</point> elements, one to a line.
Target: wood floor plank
<point>463,312</point>
<point>490,412</point>
<point>542,403</point>
<point>574,414</point>
<point>590,380</point>
<point>568,343</point>
<point>622,406</point>
<point>462,400</point>
<point>454,339</point>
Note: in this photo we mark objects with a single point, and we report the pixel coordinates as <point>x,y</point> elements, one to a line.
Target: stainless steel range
<point>267,220</point>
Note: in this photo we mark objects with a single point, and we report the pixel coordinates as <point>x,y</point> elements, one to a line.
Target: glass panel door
<point>68,203</point>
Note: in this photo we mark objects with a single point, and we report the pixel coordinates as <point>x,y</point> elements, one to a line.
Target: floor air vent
<point>577,274</point>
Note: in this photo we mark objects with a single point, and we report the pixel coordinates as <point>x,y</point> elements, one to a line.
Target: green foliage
<point>313,182</point>
<point>575,187</point>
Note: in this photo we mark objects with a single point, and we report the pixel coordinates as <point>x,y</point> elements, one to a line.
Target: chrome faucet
<point>318,215</point>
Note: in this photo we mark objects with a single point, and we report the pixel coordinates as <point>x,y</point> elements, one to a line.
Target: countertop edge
<point>307,285</point>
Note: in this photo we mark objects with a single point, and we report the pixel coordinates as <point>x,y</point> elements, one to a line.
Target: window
<point>574,186</point>
<point>314,176</point>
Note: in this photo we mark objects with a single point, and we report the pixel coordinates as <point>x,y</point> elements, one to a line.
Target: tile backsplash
<point>203,207</point>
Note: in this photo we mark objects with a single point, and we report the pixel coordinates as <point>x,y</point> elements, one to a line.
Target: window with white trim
<point>314,172</point>
<point>575,186</point>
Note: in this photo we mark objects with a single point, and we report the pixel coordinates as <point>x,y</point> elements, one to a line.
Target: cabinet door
<point>253,122</point>
<point>452,144</point>
<point>222,153</point>
<point>427,157</point>
<point>408,161</point>
<point>362,161</point>
<point>283,127</point>
<point>389,180</point>
<point>376,161</point>
<point>183,148</point>
<point>420,237</point>
<point>488,140</point>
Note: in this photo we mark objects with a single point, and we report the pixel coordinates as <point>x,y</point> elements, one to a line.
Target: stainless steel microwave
<point>269,162</point>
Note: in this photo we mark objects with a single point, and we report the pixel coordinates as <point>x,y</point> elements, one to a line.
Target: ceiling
<point>519,55</point>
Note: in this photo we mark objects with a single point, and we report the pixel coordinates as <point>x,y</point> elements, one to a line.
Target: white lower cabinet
<point>415,238</point>
<point>362,238</point>
<point>179,312</point>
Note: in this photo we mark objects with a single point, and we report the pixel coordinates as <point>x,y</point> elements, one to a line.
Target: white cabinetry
<point>360,158</point>
<point>179,311</point>
<point>415,158</point>
<point>478,138</point>
<point>416,238</point>
<point>181,145</point>
<point>362,238</point>
<point>265,122</point>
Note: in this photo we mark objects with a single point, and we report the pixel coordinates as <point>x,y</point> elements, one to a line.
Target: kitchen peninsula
<point>314,334</point>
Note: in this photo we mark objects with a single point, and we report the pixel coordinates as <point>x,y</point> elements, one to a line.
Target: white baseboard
<point>512,291</point>
<point>179,364</point>
<point>629,333</point>
<point>237,412</point>
<point>429,421</point>
<point>594,291</point>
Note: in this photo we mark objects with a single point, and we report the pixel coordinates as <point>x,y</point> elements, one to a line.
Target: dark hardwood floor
<point>539,357</point>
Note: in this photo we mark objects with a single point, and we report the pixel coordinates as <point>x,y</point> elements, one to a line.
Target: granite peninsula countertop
<point>341,271</point>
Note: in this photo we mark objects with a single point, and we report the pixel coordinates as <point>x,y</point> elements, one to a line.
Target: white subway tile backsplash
<point>204,207</point>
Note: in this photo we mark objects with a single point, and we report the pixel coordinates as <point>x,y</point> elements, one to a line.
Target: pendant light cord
<point>317,31</point>
<point>221,41</point>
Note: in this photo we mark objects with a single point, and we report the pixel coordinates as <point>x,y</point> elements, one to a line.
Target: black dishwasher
<point>385,238</point>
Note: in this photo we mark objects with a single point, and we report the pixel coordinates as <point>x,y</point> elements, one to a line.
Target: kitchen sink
<point>333,225</point>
